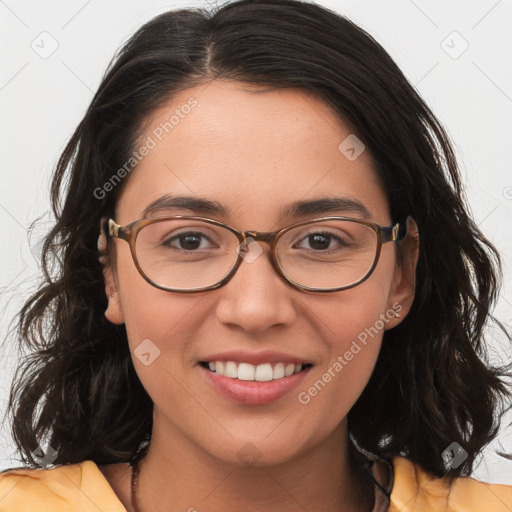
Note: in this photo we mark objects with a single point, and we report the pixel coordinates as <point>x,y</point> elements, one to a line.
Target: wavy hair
<point>432,384</point>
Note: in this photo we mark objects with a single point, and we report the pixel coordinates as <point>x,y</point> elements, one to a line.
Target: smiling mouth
<point>249,372</point>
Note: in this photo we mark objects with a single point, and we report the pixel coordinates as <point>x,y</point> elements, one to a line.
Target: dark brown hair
<point>432,384</point>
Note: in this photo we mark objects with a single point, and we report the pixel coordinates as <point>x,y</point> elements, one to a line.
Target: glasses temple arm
<point>397,232</point>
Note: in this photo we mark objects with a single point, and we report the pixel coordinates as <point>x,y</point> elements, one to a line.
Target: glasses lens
<point>328,254</point>
<point>185,254</point>
<point>189,254</point>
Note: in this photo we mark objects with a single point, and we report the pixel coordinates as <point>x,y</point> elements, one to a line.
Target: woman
<point>266,290</point>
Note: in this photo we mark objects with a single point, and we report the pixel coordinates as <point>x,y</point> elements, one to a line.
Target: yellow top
<point>83,488</point>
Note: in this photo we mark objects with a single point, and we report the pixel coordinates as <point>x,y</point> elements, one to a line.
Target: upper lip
<point>255,358</point>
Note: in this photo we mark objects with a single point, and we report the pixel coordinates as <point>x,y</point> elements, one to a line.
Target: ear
<point>114,311</point>
<point>401,296</point>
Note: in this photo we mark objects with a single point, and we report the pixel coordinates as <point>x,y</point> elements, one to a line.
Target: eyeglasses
<point>188,254</point>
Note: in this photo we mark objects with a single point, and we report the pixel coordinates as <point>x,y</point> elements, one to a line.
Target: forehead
<point>252,150</point>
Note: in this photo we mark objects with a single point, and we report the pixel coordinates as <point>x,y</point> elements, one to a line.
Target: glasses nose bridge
<point>268,237</point>
<point>261,236</point>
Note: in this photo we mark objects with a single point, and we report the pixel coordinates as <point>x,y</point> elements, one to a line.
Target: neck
<point>322,478</point>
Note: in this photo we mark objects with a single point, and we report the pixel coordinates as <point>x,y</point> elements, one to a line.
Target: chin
<point>260,452</point>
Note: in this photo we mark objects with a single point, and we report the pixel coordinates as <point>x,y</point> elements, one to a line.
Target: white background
<point>43,99</point>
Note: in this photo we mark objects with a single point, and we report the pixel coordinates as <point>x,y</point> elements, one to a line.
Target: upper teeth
<point>261,372</point>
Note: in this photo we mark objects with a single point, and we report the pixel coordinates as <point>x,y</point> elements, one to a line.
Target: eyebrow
<point>203,206</point>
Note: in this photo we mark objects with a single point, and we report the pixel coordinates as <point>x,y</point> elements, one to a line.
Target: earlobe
<point>404,282</point>
<point>114,311</point>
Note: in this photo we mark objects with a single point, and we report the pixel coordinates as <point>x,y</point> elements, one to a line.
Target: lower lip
<point>253,392</point>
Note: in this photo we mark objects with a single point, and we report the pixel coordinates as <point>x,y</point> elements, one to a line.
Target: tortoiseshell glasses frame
<point>384,234</point>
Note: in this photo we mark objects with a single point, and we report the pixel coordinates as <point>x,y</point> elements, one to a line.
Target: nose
<point>256,298</point>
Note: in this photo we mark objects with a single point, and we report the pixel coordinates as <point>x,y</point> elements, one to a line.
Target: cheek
<point>159,327</point>
<point>353,324</point>
<point>327,397</point>
<point>163,319</point>
<point>357,332</point>
<point>356,314</point>
<point>154,317</point>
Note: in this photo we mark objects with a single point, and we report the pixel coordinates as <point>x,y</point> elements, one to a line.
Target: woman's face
<point>253,153</point>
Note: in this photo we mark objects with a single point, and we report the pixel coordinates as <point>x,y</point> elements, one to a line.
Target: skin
<point>253,153</point>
